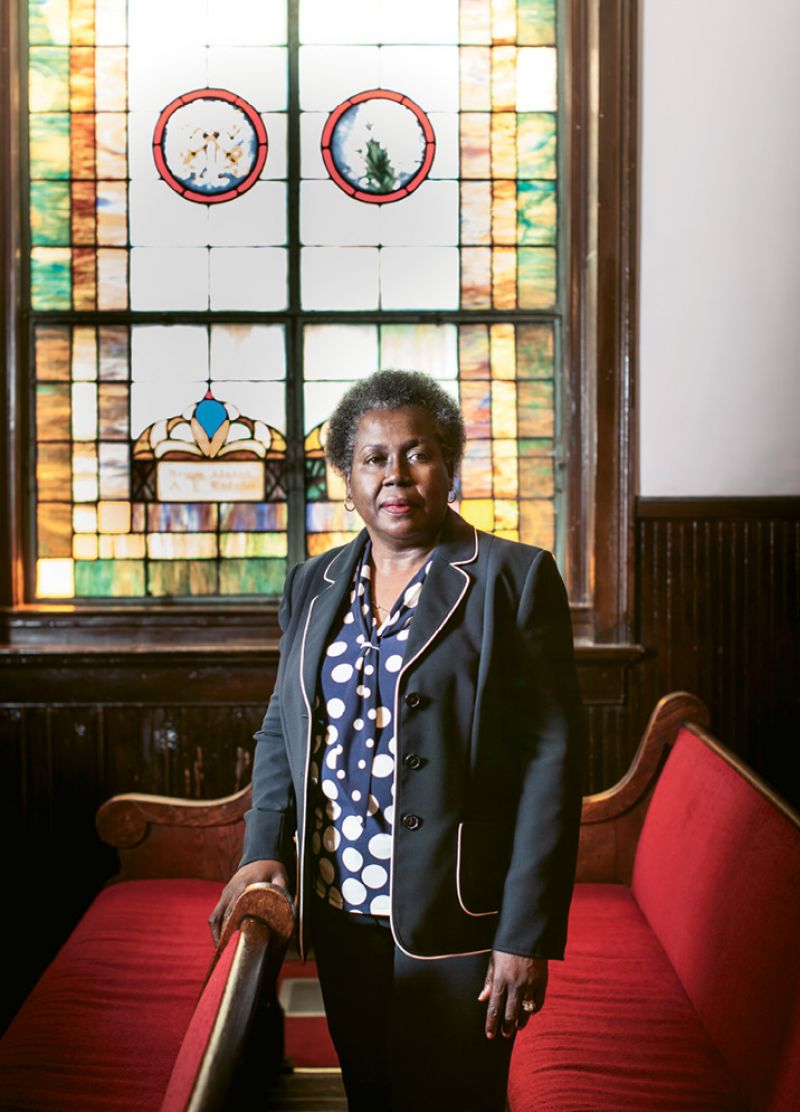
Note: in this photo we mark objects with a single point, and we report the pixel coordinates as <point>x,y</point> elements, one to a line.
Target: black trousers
<point>409,1033</point>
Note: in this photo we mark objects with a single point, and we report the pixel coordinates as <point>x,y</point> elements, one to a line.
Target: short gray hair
<point>393,390</point>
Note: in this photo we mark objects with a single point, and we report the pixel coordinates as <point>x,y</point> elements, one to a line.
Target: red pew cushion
<point>617,1030</point>
<point>717,873</point>
<point>195,1041</point>
<point>102,1028</point>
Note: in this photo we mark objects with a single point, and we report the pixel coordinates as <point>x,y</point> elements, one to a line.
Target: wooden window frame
<point>600,248</point>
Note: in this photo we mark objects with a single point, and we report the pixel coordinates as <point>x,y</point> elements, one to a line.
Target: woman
<point>424,741</point>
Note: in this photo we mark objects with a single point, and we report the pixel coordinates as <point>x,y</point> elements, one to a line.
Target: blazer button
<point>411,822</point>
<point>411,760</point>
<point>412,699</point>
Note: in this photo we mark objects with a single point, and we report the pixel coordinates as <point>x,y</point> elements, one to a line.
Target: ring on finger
<point>529,1006</point>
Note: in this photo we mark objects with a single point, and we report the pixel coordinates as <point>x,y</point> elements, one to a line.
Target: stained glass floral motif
<point>422,209</point>
<point>378,146</point>
<point>210,145</point>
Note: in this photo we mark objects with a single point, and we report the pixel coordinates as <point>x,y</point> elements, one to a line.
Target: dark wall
<point>717,614</point>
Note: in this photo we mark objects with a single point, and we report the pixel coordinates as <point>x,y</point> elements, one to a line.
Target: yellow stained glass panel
<point>503,351</point>
<point>504,212</point>
<point>114,517</point>
<point>84,546</point>
<point>53,528</point>
<point>504,145</point>
<point>52,353</point>
<point>504,277</point>
<point>504,409</point>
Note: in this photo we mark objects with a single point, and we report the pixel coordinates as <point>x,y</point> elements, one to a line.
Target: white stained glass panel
<point>110,23</point>
<point>160,217</point>
<point>320,400</point>
<point>112,279</point>
<point>331,74</point>
<point>428,216</point>
<point>158,73</point>
<point>141,126</point>
<point>257,218</point>
<point>445,160</point>
<point>339,277</point>
<point>247,22</point>
<point>275,166</point>
<point>432,348</point>
<point>156,401</point>
<point>169,278</point>
<point>248,352</point>
<point>257,73</point>
<point>84,355</point>
<point>418,21</point>
<point>536,79</point>
<point>168,352</point>
<point>346,21</point>
<point>178,23</point>
<point>419,278</point>
<point>248,278</point>
<point>339,351</point>
<point>114,473</point>
<point>261,401</point>
<point>84,410</point>
<point>427,74</point>
<point>311,164</point>
<point>329,217</point>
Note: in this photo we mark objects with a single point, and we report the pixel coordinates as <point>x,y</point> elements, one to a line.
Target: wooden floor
<point>309,1091</point>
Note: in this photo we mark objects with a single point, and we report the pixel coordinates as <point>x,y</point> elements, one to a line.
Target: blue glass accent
<point>210,415</point>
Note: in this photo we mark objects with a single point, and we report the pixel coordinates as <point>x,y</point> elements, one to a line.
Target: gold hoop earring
<point>348,504</point>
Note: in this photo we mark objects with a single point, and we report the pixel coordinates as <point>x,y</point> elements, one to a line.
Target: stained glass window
<point>238,208</point>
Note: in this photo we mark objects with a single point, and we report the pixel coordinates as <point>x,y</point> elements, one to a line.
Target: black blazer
<point>489,747</point>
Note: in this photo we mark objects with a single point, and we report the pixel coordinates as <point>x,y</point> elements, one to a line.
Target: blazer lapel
<point>445,585</point>
<point>322,611</point>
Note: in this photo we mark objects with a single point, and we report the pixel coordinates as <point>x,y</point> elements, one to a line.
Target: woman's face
<point>399,481</point>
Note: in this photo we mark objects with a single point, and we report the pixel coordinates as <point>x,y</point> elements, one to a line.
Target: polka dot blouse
<point>352,759</point>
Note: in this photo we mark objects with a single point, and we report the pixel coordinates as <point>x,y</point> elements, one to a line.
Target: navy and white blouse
<point>352,759</point>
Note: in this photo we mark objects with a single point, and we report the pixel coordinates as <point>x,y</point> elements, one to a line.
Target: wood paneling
<point>719,613</point>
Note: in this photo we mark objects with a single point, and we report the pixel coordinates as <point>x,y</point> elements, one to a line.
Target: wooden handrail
<point>264,917</point>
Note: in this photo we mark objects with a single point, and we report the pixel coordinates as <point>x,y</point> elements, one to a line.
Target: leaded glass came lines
<point>424,197</point>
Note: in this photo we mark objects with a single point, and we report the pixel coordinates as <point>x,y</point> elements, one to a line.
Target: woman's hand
<point>510,980</point>
<point>271,872</point>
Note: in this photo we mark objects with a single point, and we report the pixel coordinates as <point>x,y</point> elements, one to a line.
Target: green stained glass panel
<point>251,577</point>
<point>536,476</point>
<point>535,409</point>
<point>48,80</point>
<point>536,22</point>
<point>48,21</point>
<point>535,351</point>
<point>536,212</point>
<point>51,285</point>
<point>181,577</point>
<point>50,211</point>
<point>109,578</point>
<point>49,145</point>
<point>536,277</point>
<point>537,145</point>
